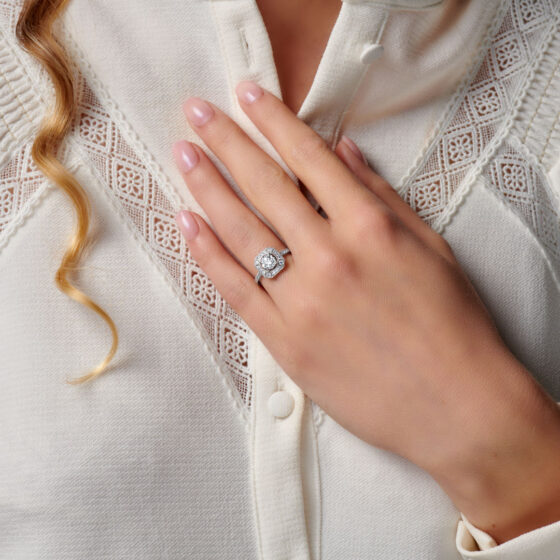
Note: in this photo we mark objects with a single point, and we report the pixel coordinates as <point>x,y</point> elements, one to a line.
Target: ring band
<point>269,262</point>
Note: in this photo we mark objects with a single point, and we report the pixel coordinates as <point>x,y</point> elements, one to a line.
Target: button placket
<point>371,52</point>
<point>352,47</point>
<point>280,404</point>
<point>282,421</point>
<point>277,422</point>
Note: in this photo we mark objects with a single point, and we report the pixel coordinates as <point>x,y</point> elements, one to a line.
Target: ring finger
<point>239,229</point>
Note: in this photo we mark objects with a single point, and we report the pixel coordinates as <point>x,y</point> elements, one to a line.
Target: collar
<point>144,63</point>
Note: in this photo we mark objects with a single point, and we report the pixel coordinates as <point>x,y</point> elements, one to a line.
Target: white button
<point>281,404</point>
<point>370,53</point>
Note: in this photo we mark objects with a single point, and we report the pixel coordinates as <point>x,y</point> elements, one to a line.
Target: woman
<point>386,387</point>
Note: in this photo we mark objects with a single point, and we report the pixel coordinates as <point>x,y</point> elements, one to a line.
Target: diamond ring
<point>269,262</point>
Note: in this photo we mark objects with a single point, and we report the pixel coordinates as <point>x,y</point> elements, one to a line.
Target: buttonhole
<point>246,49</point>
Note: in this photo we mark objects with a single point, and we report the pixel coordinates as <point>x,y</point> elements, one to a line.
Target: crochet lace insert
<point>152,214</point>
<point>21,187</point>
<point>519,65</point>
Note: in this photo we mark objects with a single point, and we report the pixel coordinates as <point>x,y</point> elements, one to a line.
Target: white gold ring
<point>269,262</point>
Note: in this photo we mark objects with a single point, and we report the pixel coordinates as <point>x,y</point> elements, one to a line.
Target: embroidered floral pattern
<point>531,11</point>
<point>486,101</point>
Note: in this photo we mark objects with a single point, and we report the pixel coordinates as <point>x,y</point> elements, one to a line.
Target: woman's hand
<point>373,317</point>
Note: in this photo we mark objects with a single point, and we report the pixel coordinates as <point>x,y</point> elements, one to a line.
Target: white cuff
<point>542,543</point>
<point>479,539</point>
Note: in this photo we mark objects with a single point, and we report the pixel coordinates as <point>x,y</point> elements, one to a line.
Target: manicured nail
<point>197,110</point>
<point>248,91</point>
<point>185,155</point>
<point>187,224</point>
<point>354,148</point>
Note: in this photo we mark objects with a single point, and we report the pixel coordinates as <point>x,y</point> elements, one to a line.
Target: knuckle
<point>225,135</point>
<point>381,224</point>
<point>240,235</point>
<point>334,264</point>
<point>266,175</point>
<point>238,292</point>
<point>311,148</point>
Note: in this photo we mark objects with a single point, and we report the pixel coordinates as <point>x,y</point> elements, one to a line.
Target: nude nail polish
<point>187,224</point>
<point>197,111</point>
<point>354,148</point>
<point>185,155</point>
<point>248,91</point>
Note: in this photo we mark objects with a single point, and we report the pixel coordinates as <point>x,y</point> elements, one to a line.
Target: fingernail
<point>187,224</point>
<point>354,148</point>
<point>185,155</point>
<point>197,110</point>
<point>248,91</point>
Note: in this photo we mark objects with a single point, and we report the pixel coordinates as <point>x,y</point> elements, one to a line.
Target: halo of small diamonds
<point>269,262</point>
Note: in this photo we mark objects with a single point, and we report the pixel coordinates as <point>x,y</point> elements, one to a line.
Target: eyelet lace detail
<point>22,185</point>
<point>152,214</point>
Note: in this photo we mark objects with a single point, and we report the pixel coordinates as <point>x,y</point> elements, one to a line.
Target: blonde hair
<point>34,33</point>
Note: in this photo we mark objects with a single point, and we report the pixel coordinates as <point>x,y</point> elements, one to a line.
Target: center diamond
<point>268,261</point>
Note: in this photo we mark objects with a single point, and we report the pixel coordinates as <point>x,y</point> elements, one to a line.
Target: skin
<point>393,342</point>
<point>298,33</point>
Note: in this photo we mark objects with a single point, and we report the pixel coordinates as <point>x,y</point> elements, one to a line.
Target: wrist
<point>506,480</point>
<point>507,503</point>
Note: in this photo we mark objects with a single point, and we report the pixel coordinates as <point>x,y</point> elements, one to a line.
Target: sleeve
<point>472,538</point>
<point>542,543</point>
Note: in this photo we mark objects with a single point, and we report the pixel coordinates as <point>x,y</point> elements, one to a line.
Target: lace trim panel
<point>152,215</point>
<point>519,180</point>
<point>478,127</point>
<point>22,186</point>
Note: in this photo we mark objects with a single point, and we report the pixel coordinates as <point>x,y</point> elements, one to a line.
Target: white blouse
<point>195,443</point>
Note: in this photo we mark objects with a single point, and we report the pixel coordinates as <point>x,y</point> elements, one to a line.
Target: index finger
<point>305,152</point>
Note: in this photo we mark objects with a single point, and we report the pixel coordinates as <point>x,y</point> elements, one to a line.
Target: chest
<point>298,39</point>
